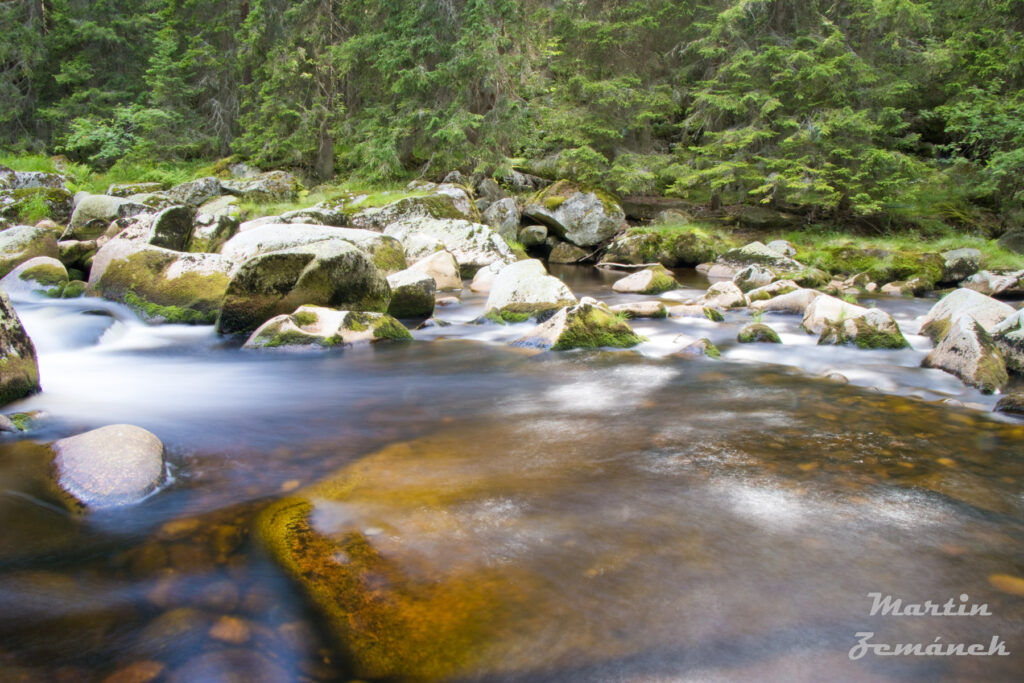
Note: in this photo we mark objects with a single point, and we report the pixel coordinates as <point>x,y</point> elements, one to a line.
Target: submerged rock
<point>319,327</point>
<point>19,371</point>
<point>23,242</point>
<point>702,348</point>
<point>588,325</point>
<point>967,351</point>
<point>524,289</point>
<point>874,329</point>
<point>330,273</point>
<point>580,215</point>
<point>109,467</point>
<point>758,332</point>
<point>412,294</point>
<point>653,280</point>
<point>964,303</point>
<point>161,285</point>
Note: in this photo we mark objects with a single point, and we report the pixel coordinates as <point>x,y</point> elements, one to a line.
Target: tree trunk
<point>324,168</point>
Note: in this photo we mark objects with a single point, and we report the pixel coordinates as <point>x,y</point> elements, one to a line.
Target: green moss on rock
<point>593,327</point>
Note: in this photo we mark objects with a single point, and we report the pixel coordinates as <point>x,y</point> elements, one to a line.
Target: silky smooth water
<point>729,516</point>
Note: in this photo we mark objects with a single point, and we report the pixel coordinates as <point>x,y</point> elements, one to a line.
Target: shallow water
<point>725,519</point>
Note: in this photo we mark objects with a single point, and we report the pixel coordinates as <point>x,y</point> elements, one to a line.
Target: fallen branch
<point>626,266</point>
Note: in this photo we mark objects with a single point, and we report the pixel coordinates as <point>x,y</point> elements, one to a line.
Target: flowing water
<point>662,519</point>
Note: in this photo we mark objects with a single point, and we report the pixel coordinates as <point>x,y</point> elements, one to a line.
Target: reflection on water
<point>665,519</point>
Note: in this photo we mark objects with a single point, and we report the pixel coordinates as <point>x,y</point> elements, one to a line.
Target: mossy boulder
<point>563,252</point>
<point>588,325</point>
<point>54,203</point>
<point>696,311</point>
<point>330,273</point>
<point>447,202</point>
<point>442,267</point>
<point>682,247</point>
<point>758,254</point>
<point>75,254</point>
<point>172,228</point>
<point>771,290</point>
<point>722,295</point>
<point>960,264</point>
<point>825,310</point>
<point>210,232</point>
<point>641,309</point>
<point>652,280</point>
<point>968,351</point>
<point>757,333</point>
<point>22,243</point>
<point>386,252</point>
<point>272,186</point>
<point>128,189</point>
<point>874,329</point>
<point>701,348</point>
<point>753,277</point>
<point>194,193</point>
<point>584,216</point>
<point>19,371</point>
<point>964,303</point>
<point>161,285</point>
<point>473,245</point>
<point>1012,404</point>
<point>324,328</point>
<point>108,467</point>
<point>881,265</point>
<point>1013,240</point>
<point>524,289</point>
<point>1009,338</point>
<point>41,275</point>
<point>412,294</point>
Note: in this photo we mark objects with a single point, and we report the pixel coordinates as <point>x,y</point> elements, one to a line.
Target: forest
<point>894,113</point>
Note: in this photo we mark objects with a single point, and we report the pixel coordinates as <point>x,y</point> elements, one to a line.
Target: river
<point>697,519</point>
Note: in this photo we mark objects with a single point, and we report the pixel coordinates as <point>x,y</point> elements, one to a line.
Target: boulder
<point>588,325</point>
<point>503,217</point>
<point>758,254</point>
<point>386,252</point>
<point>967,351</point>
<point>324,328</point>
<point>320,214</point>
<point>484,278</point>
<point>29,180</point>
<point>898,288</point>
<point>211,231</point>
<point>40,275</point>
<point>754,276</point>
<point>641,309</point>
<point>23,242</point>
<point>563,252</point>
<point>472,244</point>
<point>109,467</point>
<point>272,186</point>
<point>960,264</point>
<point>412,294</point>
<point>584,216</point>
<point>442,268</point>
<point>796,301</point>
<point>782,248</point>
<point>824,310</point>
<point>129,189</point>
<point>441,202</point>
<point>533,235</point>
<point>55,202</point>
<point>172,228</point>
<point>653,280</point>
<point>195,192</point>
<point>722,295</point>
<point>225,205</point>
<point>757,333</point>
<point>523,289</point>
<point>1008,336</point>
<point>771,290</point>
<point>671,248</point>
<point>996,284</point>
<point>331,273</point>
<point>75,254</point>
<point>19,372</point>
<point>874,329</point>
<point>102,209</point>
<point>964,303</point>
<point>161,285</point>
<point>1013,240</point>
